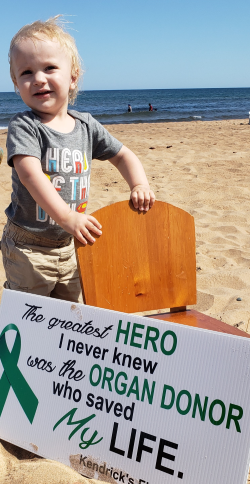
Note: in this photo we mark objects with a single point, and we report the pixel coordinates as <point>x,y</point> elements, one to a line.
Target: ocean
<point>110,107</point>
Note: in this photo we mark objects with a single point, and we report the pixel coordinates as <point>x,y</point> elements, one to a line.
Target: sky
<point>145,44</point>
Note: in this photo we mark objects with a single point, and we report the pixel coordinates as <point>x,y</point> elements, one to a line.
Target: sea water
<point>111,107</point>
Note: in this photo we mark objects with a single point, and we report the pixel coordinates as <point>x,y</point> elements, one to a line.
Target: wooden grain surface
<point>142,261</point>
<point>199,320</point>
<point>145,261</point>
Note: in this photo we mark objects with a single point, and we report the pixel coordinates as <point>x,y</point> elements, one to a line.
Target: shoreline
<point>158,121</point>
<point>193,119</point>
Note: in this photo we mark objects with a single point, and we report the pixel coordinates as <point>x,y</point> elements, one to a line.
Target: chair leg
<point>178,309</point>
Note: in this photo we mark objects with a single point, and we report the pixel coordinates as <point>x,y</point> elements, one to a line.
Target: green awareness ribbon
<point>12,376</point>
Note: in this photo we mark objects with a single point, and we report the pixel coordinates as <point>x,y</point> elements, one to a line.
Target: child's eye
<point>26,72</point>
<point>50,68</point>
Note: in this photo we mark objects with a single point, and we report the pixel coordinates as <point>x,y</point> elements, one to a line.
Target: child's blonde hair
<point>52,28</point>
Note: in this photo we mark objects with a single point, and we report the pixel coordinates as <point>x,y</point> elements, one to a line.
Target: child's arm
<point>42,191</point>
<point>132,171</point>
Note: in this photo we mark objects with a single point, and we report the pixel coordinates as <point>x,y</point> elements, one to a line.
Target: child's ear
<point>16,87</point>
<point>74,78</point>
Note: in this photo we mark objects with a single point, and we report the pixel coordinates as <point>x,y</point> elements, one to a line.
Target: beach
<point>201,167</point>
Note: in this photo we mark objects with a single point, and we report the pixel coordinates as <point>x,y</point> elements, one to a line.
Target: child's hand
<point>142,197</point>
<point>80,226</point>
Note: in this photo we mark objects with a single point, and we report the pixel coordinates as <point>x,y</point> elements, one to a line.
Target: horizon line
<point>152,89</point>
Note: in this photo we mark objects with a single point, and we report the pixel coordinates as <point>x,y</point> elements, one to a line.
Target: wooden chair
<point>145,261</point>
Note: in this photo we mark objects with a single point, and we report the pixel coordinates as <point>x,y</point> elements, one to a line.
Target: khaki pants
<point>40,266</point>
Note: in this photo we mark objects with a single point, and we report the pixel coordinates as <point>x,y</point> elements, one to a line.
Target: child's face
<point>42,71</point>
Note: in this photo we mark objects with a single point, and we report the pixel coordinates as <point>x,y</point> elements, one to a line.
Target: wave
<point>144,117</point>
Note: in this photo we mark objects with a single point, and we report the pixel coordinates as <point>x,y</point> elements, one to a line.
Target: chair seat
<point>191,317</point>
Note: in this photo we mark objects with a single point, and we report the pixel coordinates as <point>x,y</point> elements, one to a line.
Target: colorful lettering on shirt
<point>52,160</point>
<point>41,215</point>
<point>63,161</point>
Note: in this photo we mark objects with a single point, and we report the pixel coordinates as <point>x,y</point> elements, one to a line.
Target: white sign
<point>123,398</point>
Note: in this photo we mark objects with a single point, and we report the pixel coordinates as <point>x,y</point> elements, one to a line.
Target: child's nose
<point>39,78</point>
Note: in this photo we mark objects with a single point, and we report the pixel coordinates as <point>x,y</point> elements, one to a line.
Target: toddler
<point>50,149</point>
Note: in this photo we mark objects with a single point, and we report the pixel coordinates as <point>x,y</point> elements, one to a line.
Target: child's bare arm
<point>42,191</point>
<point>132,171</point>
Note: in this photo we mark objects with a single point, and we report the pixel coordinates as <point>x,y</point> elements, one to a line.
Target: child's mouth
<point>42,93</point>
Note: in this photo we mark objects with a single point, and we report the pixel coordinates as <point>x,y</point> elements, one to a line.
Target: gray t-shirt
<point>66,161</point>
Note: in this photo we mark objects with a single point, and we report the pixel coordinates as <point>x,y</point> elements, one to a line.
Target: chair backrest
<point>142,261</point>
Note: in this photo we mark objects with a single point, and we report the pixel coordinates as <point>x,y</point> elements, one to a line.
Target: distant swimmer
<point>129,108</point>
<point>151,108</point>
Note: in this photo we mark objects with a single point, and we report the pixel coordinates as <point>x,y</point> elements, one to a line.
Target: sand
<point>201,167</point>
